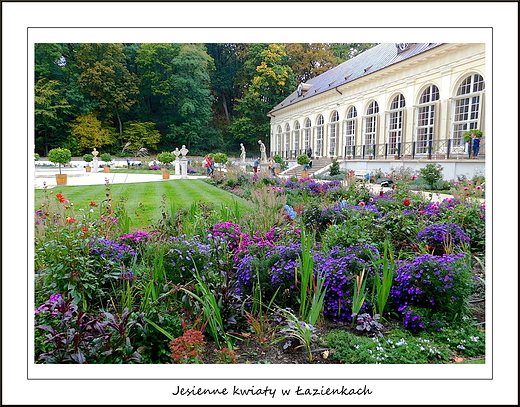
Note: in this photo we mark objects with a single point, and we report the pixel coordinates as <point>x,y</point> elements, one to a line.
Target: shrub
<point>334,168</point>
<point>431,174</point>
<point>60,156</point>
<point>303,159</point>
<point>396,347</point>
<point>88,158</point>
<point>106,157</point>
<point>442,238</point>
<point>441,285</point>
<point>166,157</point>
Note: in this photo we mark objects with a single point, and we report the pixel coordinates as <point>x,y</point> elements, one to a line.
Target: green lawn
<point>143,199</point>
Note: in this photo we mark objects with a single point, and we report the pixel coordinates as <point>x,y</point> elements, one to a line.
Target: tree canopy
<point>123,97</point>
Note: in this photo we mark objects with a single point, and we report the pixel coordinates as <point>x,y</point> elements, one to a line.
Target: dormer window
<point>402,46</point>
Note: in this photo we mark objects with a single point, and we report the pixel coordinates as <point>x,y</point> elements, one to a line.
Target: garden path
<point>91,178</point>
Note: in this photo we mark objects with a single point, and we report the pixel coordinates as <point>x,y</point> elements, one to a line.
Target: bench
<point>361,174</point>
<point>457,150</point>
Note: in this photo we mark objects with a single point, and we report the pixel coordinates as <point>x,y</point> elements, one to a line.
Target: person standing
<point>272,167</point>
<point>212,165</point>
<point>476,145</point>
<point>309,153</point>
<point>207,164</point>
<point>256,163</point>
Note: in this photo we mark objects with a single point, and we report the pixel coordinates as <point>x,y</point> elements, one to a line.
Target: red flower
<point>92,203</point>
<point>85,230</point>
<point>381,193</point>
<point>70,220</point>
<point>406,202</point>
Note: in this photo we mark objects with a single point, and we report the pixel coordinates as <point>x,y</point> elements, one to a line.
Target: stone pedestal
<point>264,168</point>
<point>177,167</point>
<point>95,165</point>
<point>184,168</point>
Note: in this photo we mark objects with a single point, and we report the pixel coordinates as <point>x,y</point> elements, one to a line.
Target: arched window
<point>350,130</point>
<point>319,135</point>
<point>426,115</point>
<point>296,138</point>
<point>333,133</point>
<point>307,134</point>
<point>371,117</point>
<point>467,107</point>
<point>278,140</point>
<point>287,138</point>
<point>395,123</point>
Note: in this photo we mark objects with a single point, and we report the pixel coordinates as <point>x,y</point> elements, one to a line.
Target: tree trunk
<point>120,124</point>
<point>226,112</point>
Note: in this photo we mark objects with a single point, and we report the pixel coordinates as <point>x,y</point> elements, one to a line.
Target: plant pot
<point>305,174</point>
<point>61,179</point>
<point>429,156</point>
<point>277,171</point>
<point>88,169</point>
<point>370,157</point>
<point>396,157</point>
<point>106,168</point>
<point>165,173</point>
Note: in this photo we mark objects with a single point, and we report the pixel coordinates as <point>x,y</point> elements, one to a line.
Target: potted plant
<point>304,160</point>
<point>467,135</point>
<point>88,158</point>
<point>61,156</point>
<point>349,154</point>
<point>370,152</point>
<point>220,158</point>
<point>395,152</point>
<point>107,158</point>
<point>281,164</point>
<point>429,151</point>
<point>166,158</point>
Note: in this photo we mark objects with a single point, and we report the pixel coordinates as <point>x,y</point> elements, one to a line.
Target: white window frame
<point>425,118</point>
<point>396,116</point>
<point>467,107</point>
<point>333,133</point>
<point>320,130</point>
<point>296,137</point>
<point>370,126</point>
<point>350,130</point>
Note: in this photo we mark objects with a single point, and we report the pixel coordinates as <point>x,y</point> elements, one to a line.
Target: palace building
<point>393,101</point>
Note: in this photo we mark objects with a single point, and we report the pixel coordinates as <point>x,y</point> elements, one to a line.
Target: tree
<point>104,76</point>
<point>346,51</point>
<point>141,134</point>
<point>89,132</point>
<point>271,81</point>
<point>50,110</point>
<point>309,60</point>
<point>191,98</point>
<point>61,156</point>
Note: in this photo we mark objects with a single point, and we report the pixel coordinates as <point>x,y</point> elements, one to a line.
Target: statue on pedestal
<point>263,155</point>
<point>242,154</point>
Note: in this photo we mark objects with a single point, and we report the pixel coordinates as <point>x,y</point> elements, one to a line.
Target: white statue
<point>95,152</point>
<point>243,153</point>
<point>263,155</point>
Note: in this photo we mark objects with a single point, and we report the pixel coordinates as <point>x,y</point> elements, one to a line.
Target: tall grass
<point>312,290</point>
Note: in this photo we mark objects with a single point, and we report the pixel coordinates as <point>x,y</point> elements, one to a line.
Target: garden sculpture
<point>243,153</point>
<point>263,156</point>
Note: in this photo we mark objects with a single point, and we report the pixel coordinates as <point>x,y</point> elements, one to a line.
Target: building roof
<point>372,60</point>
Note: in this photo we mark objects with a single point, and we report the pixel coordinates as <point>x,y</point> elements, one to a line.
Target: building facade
<point>409,100</point>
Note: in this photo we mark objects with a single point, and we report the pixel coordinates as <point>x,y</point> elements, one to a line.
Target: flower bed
<point>314,257</point>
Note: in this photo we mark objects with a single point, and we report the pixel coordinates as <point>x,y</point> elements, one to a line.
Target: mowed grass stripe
<point>179,193</point>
